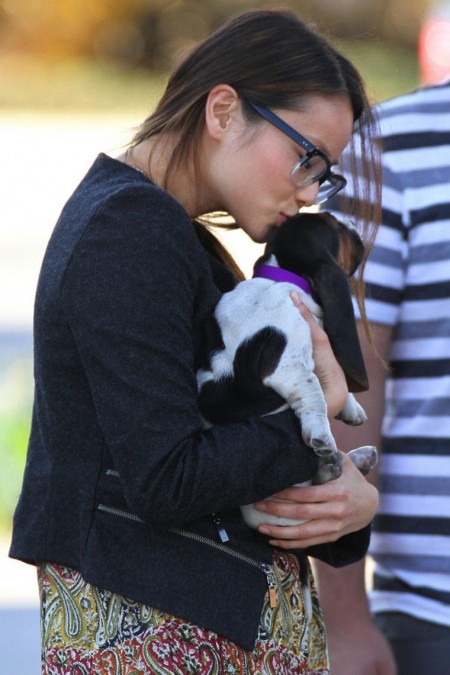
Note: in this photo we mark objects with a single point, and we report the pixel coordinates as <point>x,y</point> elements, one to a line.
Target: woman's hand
<point>331,510</point>
<point>327,369</point>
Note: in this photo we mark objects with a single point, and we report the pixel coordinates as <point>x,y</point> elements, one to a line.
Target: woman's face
<point>249,175</point>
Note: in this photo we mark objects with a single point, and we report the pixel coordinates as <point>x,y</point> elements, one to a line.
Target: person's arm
<point>129,291</point>
<point>356,646</point>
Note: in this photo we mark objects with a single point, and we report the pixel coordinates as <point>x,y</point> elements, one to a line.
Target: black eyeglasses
<point>313,167</point>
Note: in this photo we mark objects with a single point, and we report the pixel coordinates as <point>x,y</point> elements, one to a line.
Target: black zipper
<point>119,512</point>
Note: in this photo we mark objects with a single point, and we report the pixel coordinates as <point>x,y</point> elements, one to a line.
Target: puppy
<point>260,356</point>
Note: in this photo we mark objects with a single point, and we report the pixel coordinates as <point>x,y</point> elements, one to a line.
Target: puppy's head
<point>327,252</point>
<point>308,240</point>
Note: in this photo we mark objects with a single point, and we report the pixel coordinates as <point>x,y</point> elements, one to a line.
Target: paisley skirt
<point>86,629</point>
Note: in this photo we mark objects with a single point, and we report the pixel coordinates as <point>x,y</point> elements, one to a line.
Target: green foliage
<point>388,70</point>
<point>14,431</point>
<point>77,86</point>
<point>93,86</point>
<point>16,387</point>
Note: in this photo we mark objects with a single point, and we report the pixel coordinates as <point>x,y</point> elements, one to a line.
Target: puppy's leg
<point>352,412</point>
<point>299,386</point>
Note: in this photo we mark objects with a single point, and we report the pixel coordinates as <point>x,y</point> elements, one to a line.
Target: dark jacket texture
<point>121,478</point>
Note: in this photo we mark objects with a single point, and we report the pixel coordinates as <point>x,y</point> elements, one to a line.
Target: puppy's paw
<point>364,458</point>
<point>316,433</point>
<point>352,412</point>
<point>329,468</point>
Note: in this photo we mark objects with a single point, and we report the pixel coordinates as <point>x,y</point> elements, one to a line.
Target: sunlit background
<point>76,78</point>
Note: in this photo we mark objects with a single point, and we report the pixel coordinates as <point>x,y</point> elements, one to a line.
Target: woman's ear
<point>222,103</point>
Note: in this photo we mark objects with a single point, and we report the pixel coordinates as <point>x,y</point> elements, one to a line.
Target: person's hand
<point>331,510</point>
<point>371,653</point>
<point>327,369</point>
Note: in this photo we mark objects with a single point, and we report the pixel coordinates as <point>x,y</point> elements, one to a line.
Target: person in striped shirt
<point>405,626</point>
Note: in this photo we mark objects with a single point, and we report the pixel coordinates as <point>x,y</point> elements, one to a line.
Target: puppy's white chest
<point>258,303</point>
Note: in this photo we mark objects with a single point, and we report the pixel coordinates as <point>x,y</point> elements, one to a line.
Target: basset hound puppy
<point>260,358</point>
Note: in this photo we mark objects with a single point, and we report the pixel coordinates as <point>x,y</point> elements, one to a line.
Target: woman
<point>129,508</point>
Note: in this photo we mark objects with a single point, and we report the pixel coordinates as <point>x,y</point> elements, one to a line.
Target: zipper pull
<point>273,600</point>
<point>220,528</point>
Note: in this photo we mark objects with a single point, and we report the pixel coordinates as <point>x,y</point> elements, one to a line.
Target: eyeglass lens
<point>328,188</point>
<point>309,170</point>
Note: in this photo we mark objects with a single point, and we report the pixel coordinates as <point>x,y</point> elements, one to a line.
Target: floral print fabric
<point>89,630</point>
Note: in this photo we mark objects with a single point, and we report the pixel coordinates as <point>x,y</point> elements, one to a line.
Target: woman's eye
<point>305,165</point>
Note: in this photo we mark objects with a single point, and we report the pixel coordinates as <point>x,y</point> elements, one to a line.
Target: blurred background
<point>76,78</point>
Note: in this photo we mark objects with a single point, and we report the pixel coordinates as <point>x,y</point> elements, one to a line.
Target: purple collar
<point>279,274</point>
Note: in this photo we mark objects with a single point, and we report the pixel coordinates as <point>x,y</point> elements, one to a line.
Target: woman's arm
<point>136,286</point>
<point>343,593</point>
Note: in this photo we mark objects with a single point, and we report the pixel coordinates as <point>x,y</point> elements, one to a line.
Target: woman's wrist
<point>335,394</point>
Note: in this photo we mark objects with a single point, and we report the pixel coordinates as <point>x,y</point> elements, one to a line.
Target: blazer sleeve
<point>130,294</point>
<point>347,550</point>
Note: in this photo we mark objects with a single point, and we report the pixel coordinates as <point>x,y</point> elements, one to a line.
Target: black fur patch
<point>243,394</point>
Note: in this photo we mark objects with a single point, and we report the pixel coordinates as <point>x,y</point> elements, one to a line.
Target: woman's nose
<point>307,196</point>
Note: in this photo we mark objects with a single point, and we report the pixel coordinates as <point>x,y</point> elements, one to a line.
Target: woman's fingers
<point>328,371</point>
<point>330,510</point>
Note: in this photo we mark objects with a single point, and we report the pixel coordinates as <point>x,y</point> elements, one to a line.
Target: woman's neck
<point>152,157</point>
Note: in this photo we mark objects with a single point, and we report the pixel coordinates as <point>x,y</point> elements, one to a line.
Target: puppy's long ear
<point>332,286</point>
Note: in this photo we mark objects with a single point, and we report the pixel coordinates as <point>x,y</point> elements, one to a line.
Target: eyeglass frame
<point>311,149</point>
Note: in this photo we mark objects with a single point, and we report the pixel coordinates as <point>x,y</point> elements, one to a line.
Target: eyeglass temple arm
<point>285,128</point>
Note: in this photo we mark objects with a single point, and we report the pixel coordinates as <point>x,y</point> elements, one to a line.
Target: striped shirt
<point>408,288</point>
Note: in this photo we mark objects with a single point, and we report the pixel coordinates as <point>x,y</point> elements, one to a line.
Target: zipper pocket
<point>217,520</point>
<point>264,567</point>
<point>119,512</point>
